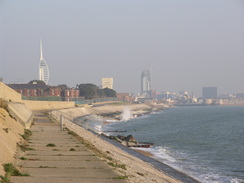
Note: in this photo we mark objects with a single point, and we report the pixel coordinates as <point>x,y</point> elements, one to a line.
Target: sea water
<point>205,142</point>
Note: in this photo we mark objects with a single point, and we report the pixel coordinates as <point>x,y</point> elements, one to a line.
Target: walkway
<point>67,161</point>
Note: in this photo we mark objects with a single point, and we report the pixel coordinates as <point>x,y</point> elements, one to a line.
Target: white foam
<point>181,162</point>
<point>235,180</point>
<point>164,153</point>
<point>126,114</point>
<point>111,120</point>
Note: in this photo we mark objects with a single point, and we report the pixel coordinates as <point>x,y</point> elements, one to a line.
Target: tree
<point>37,82</point>
<point>109,92</point>
<point>63,86</point>
<point>101,93</point>
<point>89,91</point>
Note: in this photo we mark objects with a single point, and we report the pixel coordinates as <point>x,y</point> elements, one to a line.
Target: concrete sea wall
<point>22,109</point>
<point>10,131</point>
<point>47,105</point>
<point>8,94</point>
<point>21,113</point>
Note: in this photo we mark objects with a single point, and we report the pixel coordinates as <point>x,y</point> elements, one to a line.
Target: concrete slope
<point>66,161</point>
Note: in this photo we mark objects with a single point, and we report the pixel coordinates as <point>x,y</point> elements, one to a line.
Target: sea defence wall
<point>14,105</point>
<point>8,94</point>
<point>10,131</point>
<point>21,113</point>
<point>21,110</point>
<point>47,105</point>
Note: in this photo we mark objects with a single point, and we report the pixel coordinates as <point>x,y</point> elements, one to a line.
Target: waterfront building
<point>107,83</point>
<point>43,68</point>
<point>209,92</point>
<point>145,81</point>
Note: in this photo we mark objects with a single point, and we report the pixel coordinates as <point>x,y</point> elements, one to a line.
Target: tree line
<point>91,91</point>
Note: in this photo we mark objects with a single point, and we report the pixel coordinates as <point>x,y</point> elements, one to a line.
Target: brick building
<point>125,97</point>
<point>36,91</point>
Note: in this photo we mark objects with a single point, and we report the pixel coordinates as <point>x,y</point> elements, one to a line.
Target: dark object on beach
<point>116,131</point>
<point>130,141</point>
<point>142,144</point>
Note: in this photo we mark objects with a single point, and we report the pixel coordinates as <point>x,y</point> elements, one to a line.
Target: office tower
<point>145,81</point>
<point>209,92</point>
<point>43,68</point>
<point>107,83</point>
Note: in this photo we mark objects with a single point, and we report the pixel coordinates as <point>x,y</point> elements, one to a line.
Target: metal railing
<point>61,117</point>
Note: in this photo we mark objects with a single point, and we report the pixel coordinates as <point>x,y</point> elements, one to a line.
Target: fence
<point>42,98</point>
<point>96,100</point>
<point>77,100</point>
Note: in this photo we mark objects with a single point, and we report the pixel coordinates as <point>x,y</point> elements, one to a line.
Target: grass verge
<point>26,135</point>
<point>25,147</point>
<point>121,177</point>
<point>10,170</point>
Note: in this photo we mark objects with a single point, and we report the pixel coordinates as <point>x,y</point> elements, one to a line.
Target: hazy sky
<point>188,43</point>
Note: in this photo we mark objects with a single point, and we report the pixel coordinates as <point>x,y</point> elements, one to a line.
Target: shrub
<point>50,145</point>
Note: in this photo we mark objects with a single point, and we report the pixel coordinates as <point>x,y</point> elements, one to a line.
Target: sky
<point>189,44</point>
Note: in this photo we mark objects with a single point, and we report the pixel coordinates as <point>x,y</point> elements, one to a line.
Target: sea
<point>205,142</point>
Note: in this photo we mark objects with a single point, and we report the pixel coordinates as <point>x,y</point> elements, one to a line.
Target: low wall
<point>21,113</point>
<point>8,94</point>
<point>47,105</point>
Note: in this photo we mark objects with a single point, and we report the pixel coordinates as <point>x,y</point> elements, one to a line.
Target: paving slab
<point>63,152</point>
<point>66,164</point>
<point>64,180</point>
<point>61,157</point>
<point>38,147</point>
<point>70,172</point>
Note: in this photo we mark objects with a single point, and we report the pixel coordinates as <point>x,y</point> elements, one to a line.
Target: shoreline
<point>142,167</point>
<point>164,168</point>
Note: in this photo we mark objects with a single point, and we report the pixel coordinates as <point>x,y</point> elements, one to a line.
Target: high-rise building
<point>209,92</point>
<point>145,81</point>
<point>107,83</point>
<point>43,68</point>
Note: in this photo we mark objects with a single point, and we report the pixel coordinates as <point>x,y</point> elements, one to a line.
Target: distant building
<point>31,90</point>
<point>43,92</point>
<point>145,81</point>
<point>70,94</point>
<point>209,92</point>
<point>43,68</point>
<point>125,97</point>
<point>107,83</point>
<point>152,94</point>
<point>240,95</point>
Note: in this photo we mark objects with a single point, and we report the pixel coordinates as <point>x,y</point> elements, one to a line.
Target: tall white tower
<point>43,68</point>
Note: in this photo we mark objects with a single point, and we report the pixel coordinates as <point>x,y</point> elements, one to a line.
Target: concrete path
<point>68,161</point>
